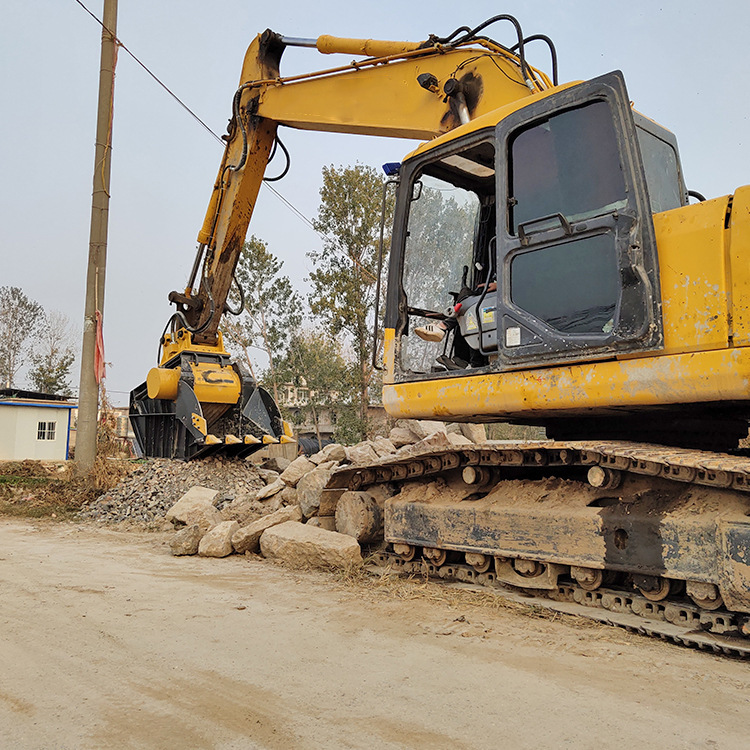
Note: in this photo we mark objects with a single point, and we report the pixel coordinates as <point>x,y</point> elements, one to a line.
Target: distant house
<point>34,425</point>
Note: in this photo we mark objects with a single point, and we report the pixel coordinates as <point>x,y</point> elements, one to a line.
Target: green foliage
<point>19,320</point>
<point>273,310</point>
<point>314,361</point>
<point>343,282</point>
<point>53,356</point>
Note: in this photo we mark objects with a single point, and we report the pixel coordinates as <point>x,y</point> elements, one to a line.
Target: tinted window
<point>573,287</point>
<point>567,164</point>
<point>662,175</point>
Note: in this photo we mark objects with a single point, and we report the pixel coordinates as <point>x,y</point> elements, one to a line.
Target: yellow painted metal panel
<point>388,100</point>
<point>214,384</point>
<point>739,255</point>
<point>163,382</point>
<point>650,381</point>
<point>182,340</point>
<point>693,271</point>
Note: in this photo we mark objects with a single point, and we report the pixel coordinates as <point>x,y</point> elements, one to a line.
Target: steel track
<point>675,621</point>
<point>675,464</point>
<point>672,620</point>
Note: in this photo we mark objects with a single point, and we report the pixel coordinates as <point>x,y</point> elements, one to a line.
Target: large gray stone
<point>196,506</point>
<point>242,511</point>
<point>305,546</point>
<point>247,538</point>
<point>218,541</point>
<point>296,470</point>
<point>309,489</point>
<point>434,442</point>
<point>186,541</point>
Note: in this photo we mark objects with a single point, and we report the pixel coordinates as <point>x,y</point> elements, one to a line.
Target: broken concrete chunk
<point>309,490</point>
<point>247,538</point>
<point>185,541</point>
<point>271,489</point>
<point>303,546</point>
<point>218,541</point>
<point>296,470</point>
<point>196,506</point>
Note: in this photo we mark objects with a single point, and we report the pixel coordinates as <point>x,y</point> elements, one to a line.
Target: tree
<point>19,320</point>
<point>53,355</point>
<point>345,272</point>
<point>272,312</point>
<point>314,361</point>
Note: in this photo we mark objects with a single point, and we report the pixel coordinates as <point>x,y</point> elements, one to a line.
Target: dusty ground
<point>109,642</point>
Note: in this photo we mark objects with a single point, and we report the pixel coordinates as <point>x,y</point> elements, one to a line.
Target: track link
<point>677,622</point>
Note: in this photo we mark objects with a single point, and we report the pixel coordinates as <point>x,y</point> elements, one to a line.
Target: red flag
<point>100,370</point>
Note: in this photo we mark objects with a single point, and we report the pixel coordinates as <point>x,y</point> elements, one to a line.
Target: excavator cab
<point>554,205</point>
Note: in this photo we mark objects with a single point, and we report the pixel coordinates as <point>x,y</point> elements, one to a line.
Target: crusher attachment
<point>199,403</point>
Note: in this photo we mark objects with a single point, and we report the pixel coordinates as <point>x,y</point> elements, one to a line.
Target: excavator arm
<point>197,401</point>
<point>417,91</point>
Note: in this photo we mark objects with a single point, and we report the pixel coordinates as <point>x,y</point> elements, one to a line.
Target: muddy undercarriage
<point>630,528</point>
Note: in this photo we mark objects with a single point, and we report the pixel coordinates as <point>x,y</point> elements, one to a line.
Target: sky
<point>686,64</point>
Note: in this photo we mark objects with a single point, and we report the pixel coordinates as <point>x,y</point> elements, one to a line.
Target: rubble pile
<point>147,493</point>
<point>282,509</point>
<point>293,517</point>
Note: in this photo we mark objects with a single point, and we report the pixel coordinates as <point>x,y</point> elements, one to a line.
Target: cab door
<point>577,263</point>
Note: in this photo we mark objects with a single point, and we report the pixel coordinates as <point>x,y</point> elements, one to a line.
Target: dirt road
<point>109,642</point>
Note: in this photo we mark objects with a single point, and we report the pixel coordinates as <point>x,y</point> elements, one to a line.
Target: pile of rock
<point>300,521</point>
<point>147,493</point>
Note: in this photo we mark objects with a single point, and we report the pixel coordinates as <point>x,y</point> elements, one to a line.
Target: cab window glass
<point>567,164</point>
<point>662,174</point>
<point>440,241</point>
<point>573,287</point>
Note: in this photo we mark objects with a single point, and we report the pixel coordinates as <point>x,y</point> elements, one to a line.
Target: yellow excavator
<point>547,268</point>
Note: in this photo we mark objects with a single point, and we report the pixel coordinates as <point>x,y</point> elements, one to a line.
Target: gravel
<point>147,493</point>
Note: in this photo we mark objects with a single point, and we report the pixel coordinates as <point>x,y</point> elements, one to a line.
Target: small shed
<point>34,425</point>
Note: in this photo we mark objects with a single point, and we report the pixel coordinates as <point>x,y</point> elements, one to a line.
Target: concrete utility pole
<point>88,393</point>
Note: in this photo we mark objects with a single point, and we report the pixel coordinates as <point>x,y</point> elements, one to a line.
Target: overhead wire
<point>218,138</point>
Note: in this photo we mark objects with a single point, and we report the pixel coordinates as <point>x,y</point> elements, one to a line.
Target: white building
<point>34,426</point>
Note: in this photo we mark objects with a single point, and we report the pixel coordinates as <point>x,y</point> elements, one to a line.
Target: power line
<point>119,43</point>
<point>286,202</point>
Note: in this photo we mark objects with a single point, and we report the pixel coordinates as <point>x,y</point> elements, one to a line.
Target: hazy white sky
<point>686,63</point>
